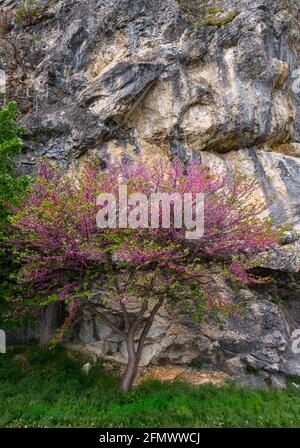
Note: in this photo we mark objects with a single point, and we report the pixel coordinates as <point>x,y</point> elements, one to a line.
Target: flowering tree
<point>67,257</point>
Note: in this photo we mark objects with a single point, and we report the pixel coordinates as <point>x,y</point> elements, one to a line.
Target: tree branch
<point>126,317</point>
<point>16,57</point>
<point>147,328</point>
<point>139,318</point>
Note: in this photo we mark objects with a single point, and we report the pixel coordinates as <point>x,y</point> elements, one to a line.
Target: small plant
<point>11,185</point>
<point>214,20</point>
<point>17,48</point>
<point>27,12</point>
<point>215,10</point>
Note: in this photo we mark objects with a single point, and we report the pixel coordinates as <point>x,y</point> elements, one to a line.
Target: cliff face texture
<point>215,80</point>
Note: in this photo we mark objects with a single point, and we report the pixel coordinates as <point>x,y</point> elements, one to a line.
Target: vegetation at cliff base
<point>12,189</point>
<point>47,388</point>
<point>12,186</point>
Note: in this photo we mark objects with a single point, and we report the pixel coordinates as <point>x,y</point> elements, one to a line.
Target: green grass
<point>46,388</point>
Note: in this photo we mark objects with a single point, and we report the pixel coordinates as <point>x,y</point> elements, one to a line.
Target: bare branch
<point>16,56</point>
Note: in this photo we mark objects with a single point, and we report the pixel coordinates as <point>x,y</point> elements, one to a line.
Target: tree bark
<point>130,373</point>
<point>131,327</point>
<point>135,354</point>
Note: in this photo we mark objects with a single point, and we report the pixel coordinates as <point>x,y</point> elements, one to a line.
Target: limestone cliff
<point>215,80</point>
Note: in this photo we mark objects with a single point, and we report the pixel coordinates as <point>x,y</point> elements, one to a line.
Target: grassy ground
<point>46,388</point>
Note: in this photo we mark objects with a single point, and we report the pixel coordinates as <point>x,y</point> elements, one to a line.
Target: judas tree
<point>76,240</point>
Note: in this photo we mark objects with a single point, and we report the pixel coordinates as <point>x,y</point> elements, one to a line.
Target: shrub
<point>12,187</point>
<point>213,20</point>
<point>27,12</point>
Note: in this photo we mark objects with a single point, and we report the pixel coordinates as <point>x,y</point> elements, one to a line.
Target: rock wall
<point>216,80</point>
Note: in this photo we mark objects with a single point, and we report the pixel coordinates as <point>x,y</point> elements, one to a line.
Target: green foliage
<point>46,388</point>
<point>200,14</point>
<point>12,188</point>
<point>26,12</point>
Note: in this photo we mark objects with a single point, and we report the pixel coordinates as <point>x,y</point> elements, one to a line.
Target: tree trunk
<point>135,354</point>
<point>131,370</point>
